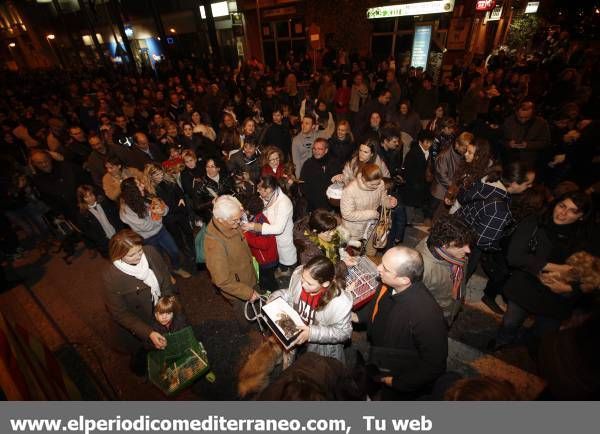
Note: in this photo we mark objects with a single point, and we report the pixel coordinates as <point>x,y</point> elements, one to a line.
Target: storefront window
<point>284,36</point>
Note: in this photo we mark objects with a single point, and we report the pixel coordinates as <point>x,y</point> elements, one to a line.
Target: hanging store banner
<point>420,48</point>
<point>485,5</point>
<point>411,9</point>
<point>494,15</point>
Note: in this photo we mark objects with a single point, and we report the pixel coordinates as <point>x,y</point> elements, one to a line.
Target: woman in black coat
<point>207,188</point>
<point>98,219</point>
<point>538,250</point>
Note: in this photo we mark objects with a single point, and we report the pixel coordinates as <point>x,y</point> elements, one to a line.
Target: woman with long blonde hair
<point>161,184</point>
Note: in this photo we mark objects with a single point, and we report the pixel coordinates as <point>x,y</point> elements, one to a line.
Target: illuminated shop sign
<point>220,9</point>
<point>411,9</point>
<point>485,5</point>
<point>532,7</point>
<point>420,49</point>
<point>494,15</point>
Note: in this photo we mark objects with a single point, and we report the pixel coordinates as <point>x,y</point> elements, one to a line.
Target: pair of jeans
<point>514,318</point>
<point>165,242</point>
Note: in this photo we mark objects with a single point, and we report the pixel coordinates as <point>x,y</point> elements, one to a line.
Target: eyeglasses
<point>274,159</point>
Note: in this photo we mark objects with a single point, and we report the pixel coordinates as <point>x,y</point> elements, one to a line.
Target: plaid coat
<point>486,208</point>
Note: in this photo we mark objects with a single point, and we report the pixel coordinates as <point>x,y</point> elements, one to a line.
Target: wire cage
<point>362,281</point>
<point>181,363</point>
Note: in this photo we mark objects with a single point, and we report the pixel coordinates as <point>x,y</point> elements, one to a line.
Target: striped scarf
<point>457,270</point>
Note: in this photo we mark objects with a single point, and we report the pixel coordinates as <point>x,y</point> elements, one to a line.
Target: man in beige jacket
<point>445,257</point>
<point>228,257</point>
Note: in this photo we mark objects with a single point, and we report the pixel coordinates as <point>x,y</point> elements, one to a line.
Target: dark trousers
<point>267,281</point>
<point>431,207</point>
<point>181,231</point>
<point>165,242</point>
<point>399,220</point>
<point>495,267</point>
<point>474,259</point>
<point>514,318</point>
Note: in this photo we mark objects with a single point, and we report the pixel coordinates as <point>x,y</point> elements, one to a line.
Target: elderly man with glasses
<point>228,257</point>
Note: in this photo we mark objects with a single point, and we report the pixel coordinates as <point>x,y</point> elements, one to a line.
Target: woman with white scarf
<point>134,281</point>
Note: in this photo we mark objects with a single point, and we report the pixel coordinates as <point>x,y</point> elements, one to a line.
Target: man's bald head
<point>401,266</point>
<point>41,160</point>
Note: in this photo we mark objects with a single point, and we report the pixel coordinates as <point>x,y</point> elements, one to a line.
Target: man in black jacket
<point>316,175</point>
<point>380,105</point>
<point>406,328</point>
<point>57,183</point>
<point>278,133</point>
<point>390,152</point>
<point>142,152</point>
<point>415,191</point>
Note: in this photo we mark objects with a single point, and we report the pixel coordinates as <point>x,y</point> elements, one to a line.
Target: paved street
<point>71,296</point>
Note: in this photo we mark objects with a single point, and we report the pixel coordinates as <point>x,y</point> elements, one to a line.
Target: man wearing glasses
<point>228,257</point>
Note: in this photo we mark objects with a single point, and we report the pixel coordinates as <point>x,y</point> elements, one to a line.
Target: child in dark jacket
<point>263,247</point>
<point>168,315</point>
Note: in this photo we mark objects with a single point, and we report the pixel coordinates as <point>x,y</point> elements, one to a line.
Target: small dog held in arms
<point>585,270</point>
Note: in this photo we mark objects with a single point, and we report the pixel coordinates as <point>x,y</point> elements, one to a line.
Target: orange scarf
<point>382,292</point>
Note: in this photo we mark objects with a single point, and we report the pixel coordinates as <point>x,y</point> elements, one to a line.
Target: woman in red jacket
<point>342,100</point>
<point>263,247</point>
<point>273,163</point>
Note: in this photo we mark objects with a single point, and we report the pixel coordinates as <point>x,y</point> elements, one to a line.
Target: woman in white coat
<point>318,295</point>
<point>279,212</point>
<point>360,202</point>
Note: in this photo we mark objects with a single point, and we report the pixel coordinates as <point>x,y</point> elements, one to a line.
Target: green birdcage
<point>180,364</point>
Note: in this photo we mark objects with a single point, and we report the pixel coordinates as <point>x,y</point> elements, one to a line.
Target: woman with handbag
<point>360,202</point>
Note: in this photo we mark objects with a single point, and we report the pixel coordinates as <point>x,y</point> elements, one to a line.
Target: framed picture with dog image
<point>283,320</point>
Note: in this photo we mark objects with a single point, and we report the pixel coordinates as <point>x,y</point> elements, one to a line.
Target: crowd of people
<point>296,173</point>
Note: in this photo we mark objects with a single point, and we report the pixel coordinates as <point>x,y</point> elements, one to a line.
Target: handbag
<point>382,229</point>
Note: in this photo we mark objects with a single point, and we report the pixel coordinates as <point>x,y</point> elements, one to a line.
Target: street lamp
<point>12,45</point>
<point>50,37</point>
